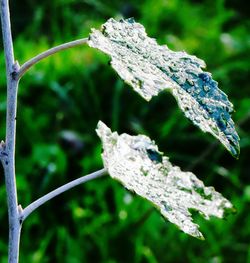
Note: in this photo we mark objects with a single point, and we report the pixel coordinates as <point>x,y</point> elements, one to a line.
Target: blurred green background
<point>60,102</point>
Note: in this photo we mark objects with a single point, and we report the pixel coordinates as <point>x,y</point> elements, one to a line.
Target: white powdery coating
<point>136,162</point>
<point>150,68</point>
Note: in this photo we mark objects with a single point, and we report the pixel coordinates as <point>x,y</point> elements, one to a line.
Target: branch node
<point>3,153</point>
<point>2,145</point>
<point>15,70</point>
<point>20,212</point>
<point>20,209</point>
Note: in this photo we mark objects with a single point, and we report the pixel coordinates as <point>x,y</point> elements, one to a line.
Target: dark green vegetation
<point>62,99</point>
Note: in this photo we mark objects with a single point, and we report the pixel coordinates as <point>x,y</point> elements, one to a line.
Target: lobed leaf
<point>137,163</point>
<point>150,68</point>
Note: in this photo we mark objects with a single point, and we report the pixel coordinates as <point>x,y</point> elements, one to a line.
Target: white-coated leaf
<point>136,162</point>
<point>150,68</point>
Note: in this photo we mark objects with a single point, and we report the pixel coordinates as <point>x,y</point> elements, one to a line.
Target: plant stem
<point>47,53</point>
<point>33,206</point>
<point>8,148</point>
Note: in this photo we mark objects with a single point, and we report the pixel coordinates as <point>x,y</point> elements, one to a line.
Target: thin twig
<point>33,206</point>
<point>8,148</point>
<point>47,53</point>
<point>7,37</point>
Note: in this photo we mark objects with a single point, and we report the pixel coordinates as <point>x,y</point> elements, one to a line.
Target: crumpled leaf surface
<point>150,68</point>
<point>137,163</point>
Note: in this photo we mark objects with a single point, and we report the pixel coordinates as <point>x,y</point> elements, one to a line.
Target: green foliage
<point>72,90</point>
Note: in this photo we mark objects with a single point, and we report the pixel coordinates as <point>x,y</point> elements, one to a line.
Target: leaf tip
<point>102,129</point>
<point>235,150</point>
<point>202,238</point>
<point>228,211</point>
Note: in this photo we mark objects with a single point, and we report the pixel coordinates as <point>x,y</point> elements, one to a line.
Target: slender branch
<point>7,37</point>
<point>47,53</point>
<point>8,148</point>
<point>33,206</point>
